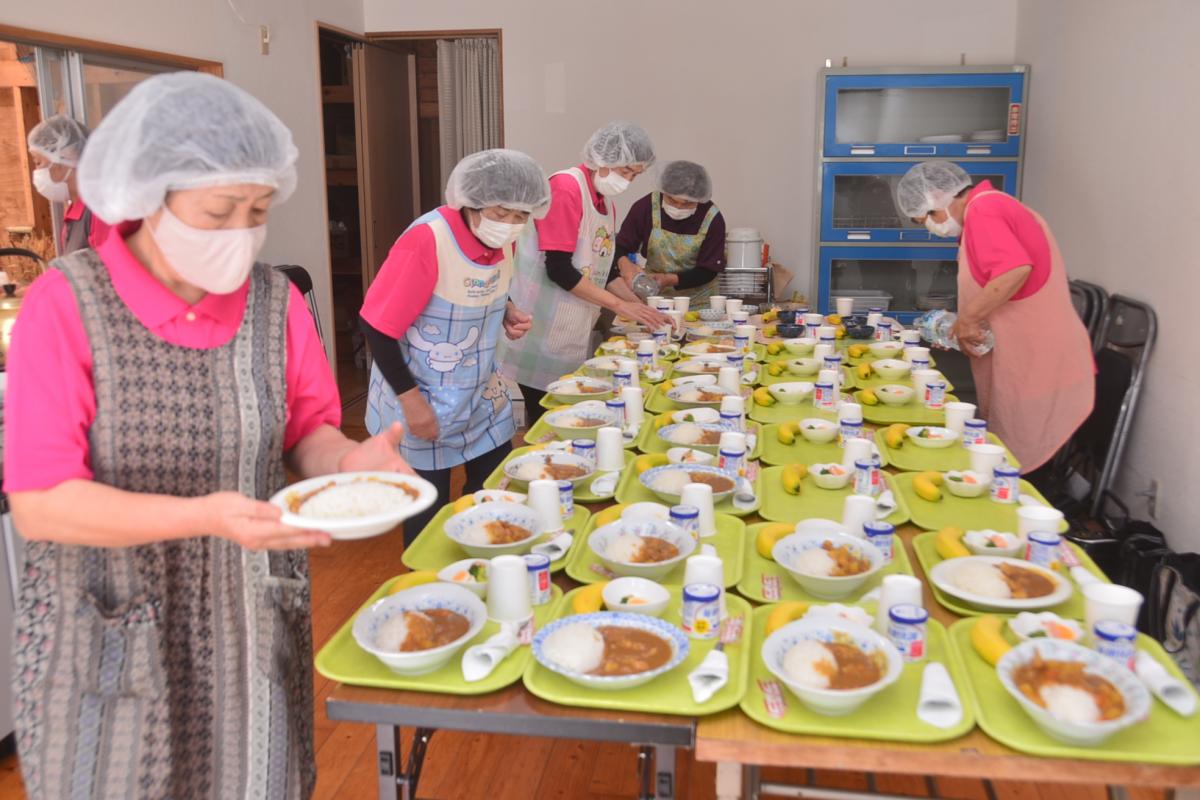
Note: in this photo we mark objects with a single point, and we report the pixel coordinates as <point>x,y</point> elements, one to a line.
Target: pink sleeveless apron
<point>1037,385</point>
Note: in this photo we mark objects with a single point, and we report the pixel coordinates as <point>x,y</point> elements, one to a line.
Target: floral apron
<point>668,252</point>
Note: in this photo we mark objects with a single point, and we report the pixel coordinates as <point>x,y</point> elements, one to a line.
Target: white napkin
<point>750,377</point>
<point>1083,577</point>
<point>939,704</point>
<point>1174,694</point>
<point>751,440</point>
<point>479,661</point>
<point>654,375</point>
<point>631,431</point>
<point>605,485</point>
<point>711,674</point>
<point>556,548</point>
<point>885,504</point>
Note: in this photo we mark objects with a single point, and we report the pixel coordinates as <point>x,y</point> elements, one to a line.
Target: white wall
<point>731,85</point>
<point>286,80</point>
<point>1111,163</point>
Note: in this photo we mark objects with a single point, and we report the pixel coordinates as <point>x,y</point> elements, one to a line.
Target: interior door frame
<point>62,42</point>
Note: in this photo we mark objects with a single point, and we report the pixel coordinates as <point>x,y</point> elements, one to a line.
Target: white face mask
<point>496,234</point>
<point>217,261</point>
<point>678,213</point>
<point>47,187</point>
<point>950,229</point>
<point>612,184</point>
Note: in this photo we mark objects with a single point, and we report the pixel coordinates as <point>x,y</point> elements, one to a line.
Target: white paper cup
<point>910,337</point>
<point>850,412</point>
<point>733,305</point>
<point>744,331</point>
<point>543,499</point>
<point>683,304</point>
<point>729,378</point>
<point>706,567</point>
<point>739,317</point>
<point>920,377</point>
<point>610,450</point>
<point>666,330</point>
<point>822,350</point>
<point>957,414</point>
<point>985,458</point>
<point>857,510</point>
<point>845,306</point>
<point>896,590</point>
<point>733,441</point>
<point>874,318</point>
<point>1034,519</point>
<point>700,495</point>
<point>676,320</point>
<point>814,320</point>
<point>628,365</point>
<point>646,347</point>
<point>717,303</point>
<point>826,332</point>
<point>508,596</point>
<point>1110,601</point>
<point>856,450</point>
<point>634,410</point>
<point>653,300</point>
<point>916,352</point>
<point>733,404</point>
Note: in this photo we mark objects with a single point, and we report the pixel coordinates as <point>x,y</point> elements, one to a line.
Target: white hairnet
<point>182,130</point>
<point>59,140</point>
<point>619,144</point>
<point>930,186</point>
<point>506,178</point>
<point>686,179</point>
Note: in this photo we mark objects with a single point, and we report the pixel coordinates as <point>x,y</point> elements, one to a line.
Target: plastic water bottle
<point>642,284</point>
<point>935,328</point>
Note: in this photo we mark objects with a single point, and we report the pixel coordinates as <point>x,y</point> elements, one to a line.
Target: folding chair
<point>1091,303</point>
<point>303,282</point>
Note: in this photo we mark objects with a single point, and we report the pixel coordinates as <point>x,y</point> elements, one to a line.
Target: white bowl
<point>817,430</point>
<point>696,366</point>
<point>893,394</point>
<point>601,539</point>
<point>711,314</point>
<point>1030,626</point>
<point>668,434</point>
<point>498,495</point>
<point>967,483</point>
<point>978,543</point>
<point>718,348</point>
<point>646,510</point>
<point>830,702</point>
<point>653,596</point>
<point>650,477</point>
<point>513,468</point>
<point>696,414</point>
<point>885,349</point>
<point>891,369</point>
<point>688,455</point>
<point>943,576</point>
<point>457,526</point>
<point>688,396</point>
<point>829,480</point>
<point>706,379</point>
<point>602,366</point>
<point>419,598</point>
<point>566,390</point>
<point>671,633</point>
<point>803,366</point>
<point>620,347</point>
<point>717,330</point>
<point>943,437</point>
<point>790,393</point>
<point>355,527</point>
<point>447,575</point>
<point>800,347</point>
<point>1134,692</point>
<point>788,548</point>
<point>559,418</point>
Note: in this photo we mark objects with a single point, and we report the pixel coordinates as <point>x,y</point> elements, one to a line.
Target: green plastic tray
<point>874,382</point>
<point>813,501</point>
<point>912,412</point>
<point>549,403</point>
<point>631,490</point>
<point>432,549</point>
<point>764,581</point>
<point>870,359</point>
<point>649,442</point>
<point>1163,738</point>
<point>342,660</point>
<point>802,451</point>
<point>541,433</point>
<point>970,514</point>
<point>585,567</point>
<point>657,401</point>
<point>583,493</point>
<point>781,413</point>
<point>925,546</point>
<point>912,458</point>
<point>668,693</point>
<point>890,715</point>
<point>766,379</point>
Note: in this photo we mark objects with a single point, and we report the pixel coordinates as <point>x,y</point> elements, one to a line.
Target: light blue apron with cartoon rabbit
<point>451,351</point>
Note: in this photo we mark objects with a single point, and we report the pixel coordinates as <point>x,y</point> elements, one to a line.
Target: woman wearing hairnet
<point>56,145</point>
<point>434,315</point>
<point>685,249</point>
<point>1036,385</point>
<point>159,382</point>
<point>565,264</point>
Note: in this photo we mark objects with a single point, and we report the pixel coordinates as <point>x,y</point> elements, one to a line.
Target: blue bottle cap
<point>908,614</point>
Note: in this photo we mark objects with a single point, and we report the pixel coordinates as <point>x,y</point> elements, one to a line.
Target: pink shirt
<point>405,282</point>
<point>1001,235</point>
<point>559,229</point>
<point>51,402</point>
<point>98,231</point>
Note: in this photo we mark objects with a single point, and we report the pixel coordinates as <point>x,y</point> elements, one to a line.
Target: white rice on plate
<point>982,579</point>
<point>625,548</point>
<point>815,561</point>
<point>578,647</point>
<point>810,664</point>
<point>1070,704</point>
<point>363,498</point>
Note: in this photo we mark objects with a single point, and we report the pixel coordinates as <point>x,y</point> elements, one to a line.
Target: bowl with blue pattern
<point>700,435</point>
<point>375,625</point>
<point>611,544</point>
<point>667,482</point>
<point>671,635</point>
<point>468,529</point>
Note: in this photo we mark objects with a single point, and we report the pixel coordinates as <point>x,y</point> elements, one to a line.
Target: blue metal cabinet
<point>912,277</point>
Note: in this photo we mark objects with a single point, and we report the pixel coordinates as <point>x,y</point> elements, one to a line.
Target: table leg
<point>387,761</point>
<point>664,772</point>
<point>1190,793</point>
<point>736,782</point>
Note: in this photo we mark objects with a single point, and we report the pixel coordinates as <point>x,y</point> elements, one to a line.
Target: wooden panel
<point>30,36</point>
<point>14,73</point>
<point>341,177</point>
<point>337,94</point>
<point>428,110</point>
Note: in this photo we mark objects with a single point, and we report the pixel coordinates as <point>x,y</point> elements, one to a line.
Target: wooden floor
<point>472,766</point>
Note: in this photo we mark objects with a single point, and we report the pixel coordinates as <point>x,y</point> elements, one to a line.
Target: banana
<point>949,543</point>
<point>926,486</point>
<point>463,503</point>
<point>787,432</point>
<point>893,435</point>
<point>868,398</point>
<point>665,387</point>
<point>764,543</point>
<point>663,420</point>
<point>987,637</point>
<point>692,316</point>
<point>774,349</point>
<point>793,475</point>
<point>856,350</point>
<point>834,319</point>
<point>763,397</point>
<point>840,333</point>
<point>588,599</point>
<point>864,371</point>
<point>784,613</point>
<point>411,579</point>
<point>771,331</point>
<point>775,370</point>
<point>609,515</point>
<point>650,461</point>
<point>770,316</point>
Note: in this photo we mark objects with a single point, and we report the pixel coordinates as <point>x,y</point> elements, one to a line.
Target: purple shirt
<point>635,232</point>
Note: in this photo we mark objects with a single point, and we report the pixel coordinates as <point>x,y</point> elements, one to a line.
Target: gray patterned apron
<point>177,669</point>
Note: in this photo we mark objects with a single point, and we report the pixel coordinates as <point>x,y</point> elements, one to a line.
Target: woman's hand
<point>628,269</point>
<point>422,422</point>
<point>254,524</point>
<point>970,334</point>
<point>640,312</point>
<point>516,322</point>
<point>665,280</point>
<point>379,453</point>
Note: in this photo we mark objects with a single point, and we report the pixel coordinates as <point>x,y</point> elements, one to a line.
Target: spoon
<point>744,498</point>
